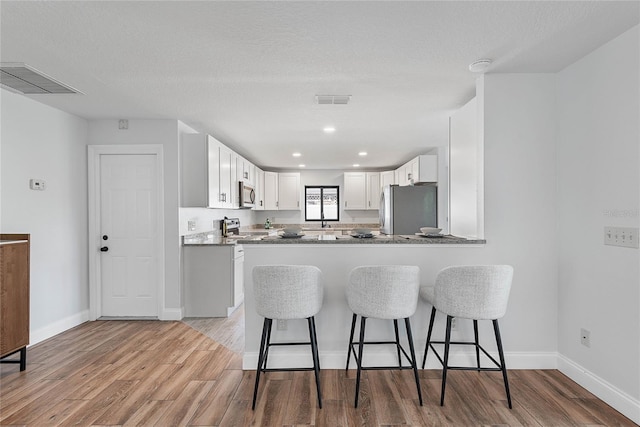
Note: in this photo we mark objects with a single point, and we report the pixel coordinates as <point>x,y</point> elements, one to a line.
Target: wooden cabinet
<point>289,191</point>
<point>271,191</point>
<point>14,296</point>
<point>206,172</point>
<point>361,190</point>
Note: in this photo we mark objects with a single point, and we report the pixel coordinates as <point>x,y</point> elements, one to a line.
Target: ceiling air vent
<point>333,99</point>
<point>24,79</point>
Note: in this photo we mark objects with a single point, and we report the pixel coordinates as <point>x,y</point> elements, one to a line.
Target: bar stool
<point>287,292</point>
<point>469,292</point>
<point>383,292</point>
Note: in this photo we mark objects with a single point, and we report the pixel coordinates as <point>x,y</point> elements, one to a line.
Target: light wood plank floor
<point>168,374</point>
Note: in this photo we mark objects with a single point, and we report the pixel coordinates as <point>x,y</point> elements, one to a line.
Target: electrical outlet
<point>281,325</point>
<point>626,237</point>
<point>454,324</point>
<point>191,225</point>
<point>585,337</point>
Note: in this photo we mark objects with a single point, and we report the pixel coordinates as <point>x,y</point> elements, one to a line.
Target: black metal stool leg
<point>445,363</point>
<point>395,328</point>
<point>426,346</point>
<point>265,328</point>
<point>314,352</point>
<point>266,350</point>
<point>503,367</point>
<point>350,349</point>
<point>475,335</point>
<point>414,362</point>
<point>359,359</point>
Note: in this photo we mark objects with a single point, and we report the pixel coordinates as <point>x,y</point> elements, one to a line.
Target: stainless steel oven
<point>247,195</point>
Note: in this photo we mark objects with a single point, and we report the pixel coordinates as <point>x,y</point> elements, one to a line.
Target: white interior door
<point>128,235</point>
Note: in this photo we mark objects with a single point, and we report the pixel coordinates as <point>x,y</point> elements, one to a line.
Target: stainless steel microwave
<point>247,195</point>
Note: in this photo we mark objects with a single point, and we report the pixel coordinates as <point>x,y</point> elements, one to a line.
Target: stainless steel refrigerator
<point>403,210</point>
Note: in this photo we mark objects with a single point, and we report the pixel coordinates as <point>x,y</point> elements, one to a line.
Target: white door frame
<point>95,283</point>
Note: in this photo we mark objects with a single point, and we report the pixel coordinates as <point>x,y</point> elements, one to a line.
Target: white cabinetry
<point>355,190</point>
<point>270,191</point>
<point>213,280</point>
<point>227,177</point>
<point>289,191</point>
<point>373,190</point>
<point>245,171</point>
<point>423,168</point>
<point>259,187</point>
<point>387,178</point>
<point>361,190</point>
<point>205,172</point>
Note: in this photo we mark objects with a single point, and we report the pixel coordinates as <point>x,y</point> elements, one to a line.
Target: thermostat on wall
<point>36,184</point>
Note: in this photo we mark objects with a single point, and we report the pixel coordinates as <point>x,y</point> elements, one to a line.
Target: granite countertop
<point>214,239</point>
<point>375,240</point>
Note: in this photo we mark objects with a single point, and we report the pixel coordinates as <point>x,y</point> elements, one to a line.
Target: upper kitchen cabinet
<point>259,187</point>
<point>270,193</point>
<point>246,171</point>
<point>355,190</point>
<point>361,190</point>
<point>373,190</point>
<point>387,178</point>
<point>205,172</point>
<point>289,191</point>
<point>423,168</point>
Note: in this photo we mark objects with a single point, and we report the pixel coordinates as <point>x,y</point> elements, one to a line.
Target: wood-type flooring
<point>126,373</point>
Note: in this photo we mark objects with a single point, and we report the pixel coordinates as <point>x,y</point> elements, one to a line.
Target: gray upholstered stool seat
<point>478,292</point>
<point>383,292</point>
<point>287,292</point>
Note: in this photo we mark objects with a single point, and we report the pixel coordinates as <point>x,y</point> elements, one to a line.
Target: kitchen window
<point>321,203</point>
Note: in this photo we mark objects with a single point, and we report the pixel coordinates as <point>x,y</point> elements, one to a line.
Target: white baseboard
<point>301,357</point>
<point>618,399</point>
<point>172,314</point>
<point>55,328</point>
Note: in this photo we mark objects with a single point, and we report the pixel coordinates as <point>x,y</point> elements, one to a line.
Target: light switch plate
<point>626,237</point>
<point>191,225</point>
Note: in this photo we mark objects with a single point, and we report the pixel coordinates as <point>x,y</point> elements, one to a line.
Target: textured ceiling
<point>248,72</point>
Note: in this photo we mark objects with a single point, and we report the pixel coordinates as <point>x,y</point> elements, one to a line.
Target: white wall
<point>44,143</point>
<point>519,206</point>
<point>599,185</point>
<point>464,169</point>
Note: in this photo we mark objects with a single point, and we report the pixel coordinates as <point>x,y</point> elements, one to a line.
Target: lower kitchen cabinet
<point>213,279</point>
<point>14,297</point>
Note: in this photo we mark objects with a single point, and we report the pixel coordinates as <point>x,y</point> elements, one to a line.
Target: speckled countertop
<point>205,239</point>
<point>375,240</point>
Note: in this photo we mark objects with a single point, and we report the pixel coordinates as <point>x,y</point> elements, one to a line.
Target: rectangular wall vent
<point>24,79</point>
<point>333,99</point>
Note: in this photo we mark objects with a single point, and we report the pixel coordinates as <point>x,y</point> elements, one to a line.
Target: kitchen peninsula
<point>336,258</point>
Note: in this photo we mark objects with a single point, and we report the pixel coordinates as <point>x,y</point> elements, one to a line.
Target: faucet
<point>324,223</point>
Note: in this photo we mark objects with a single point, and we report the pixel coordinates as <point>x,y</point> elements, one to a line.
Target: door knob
<point>104,249</point>
<point>105,237</point>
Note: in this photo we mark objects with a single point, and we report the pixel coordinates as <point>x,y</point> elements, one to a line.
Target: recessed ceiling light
<point>329,129</point>
<point>356,165</point>
<point>480,66</point>
<point>302,165</point>
<point>362,153</point>
<point>297,154</point>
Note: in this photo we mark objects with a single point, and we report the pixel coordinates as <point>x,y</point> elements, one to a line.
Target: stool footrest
<point>286,369</point>
<point>499,366</point>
